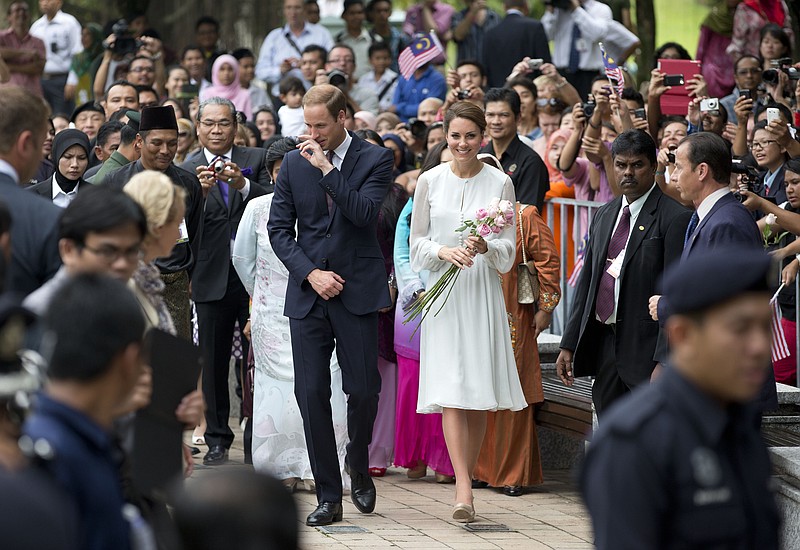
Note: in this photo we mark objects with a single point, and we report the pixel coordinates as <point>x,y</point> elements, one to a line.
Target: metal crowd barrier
<point>561,313</point>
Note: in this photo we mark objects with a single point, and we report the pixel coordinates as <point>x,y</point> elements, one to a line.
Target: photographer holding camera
<point>575,26</point>
<point>341,66</point>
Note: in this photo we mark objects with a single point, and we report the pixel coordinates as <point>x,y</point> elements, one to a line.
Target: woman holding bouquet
<point>467,364</point>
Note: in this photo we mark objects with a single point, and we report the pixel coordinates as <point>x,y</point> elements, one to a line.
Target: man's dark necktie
<point>605,293</point>
<point>693,221</point>
<point>330,155</point>
<point>223,186</point>
<point>574,54</point>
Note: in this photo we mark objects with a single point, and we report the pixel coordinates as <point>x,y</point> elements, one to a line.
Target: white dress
<point>466,359</point>
<point>279,444</point>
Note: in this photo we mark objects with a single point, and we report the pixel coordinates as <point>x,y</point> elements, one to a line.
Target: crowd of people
<point>287,210</point>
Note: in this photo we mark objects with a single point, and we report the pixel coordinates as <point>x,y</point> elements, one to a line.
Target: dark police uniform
<point>670,466</point>
<point>670,469</point>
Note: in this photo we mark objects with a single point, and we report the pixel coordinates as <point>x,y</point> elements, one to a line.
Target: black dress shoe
<point>362,491</point>
<point>216,455</point>
<point>478,484</point>
<point>513,490</point>
<point>194,450</point>
<point>325,514</point>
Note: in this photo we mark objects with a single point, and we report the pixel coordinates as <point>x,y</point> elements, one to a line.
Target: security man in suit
<point>322,226</point>
<point>680,463</point>
<point>609,333</point>
<point>220,298</point>
<point>34,241</point>
<point>702,172</point>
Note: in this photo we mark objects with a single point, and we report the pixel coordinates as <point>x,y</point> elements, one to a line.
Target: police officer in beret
<point>680,463</point>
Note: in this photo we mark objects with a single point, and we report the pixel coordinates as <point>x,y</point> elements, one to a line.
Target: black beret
<point>158,118</point>
<point>88,106</point>
<point>705,280</point>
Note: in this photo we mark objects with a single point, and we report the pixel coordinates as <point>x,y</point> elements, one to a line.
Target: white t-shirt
<point>292,121</point>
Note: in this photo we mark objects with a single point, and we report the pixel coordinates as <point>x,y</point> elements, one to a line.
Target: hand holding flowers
<point>489,220</point>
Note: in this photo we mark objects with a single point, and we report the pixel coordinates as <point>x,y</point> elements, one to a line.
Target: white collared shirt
<point>60,198</point>
<point>709,202</point>
<point>388,77</point>
<point>6,168</point>
<point>277,47</point>
<point>245,191</point>
<point>62,39</point>
<point>593,19</point>
<point>341,151</point>
<point>635,209</point>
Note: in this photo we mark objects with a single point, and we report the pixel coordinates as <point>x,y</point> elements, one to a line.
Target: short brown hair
<point>20,111</point>
<point>330,96</point>
<point>465,110</point>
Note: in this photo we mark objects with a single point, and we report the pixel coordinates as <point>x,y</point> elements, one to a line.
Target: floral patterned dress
<point>279,444</point>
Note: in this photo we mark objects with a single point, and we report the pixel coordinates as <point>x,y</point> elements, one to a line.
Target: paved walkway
<point>416,514</point>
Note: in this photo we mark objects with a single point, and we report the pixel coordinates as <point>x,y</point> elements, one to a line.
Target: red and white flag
<point>779,347</point>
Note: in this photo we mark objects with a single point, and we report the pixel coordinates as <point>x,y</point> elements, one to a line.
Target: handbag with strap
<point>527,276</point>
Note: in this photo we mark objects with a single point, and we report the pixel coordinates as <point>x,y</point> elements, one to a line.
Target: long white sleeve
<point>424,251</point>
<point>502,248</point>
<point>245,248</point>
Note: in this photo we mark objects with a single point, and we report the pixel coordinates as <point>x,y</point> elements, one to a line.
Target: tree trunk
<point>646,30</point>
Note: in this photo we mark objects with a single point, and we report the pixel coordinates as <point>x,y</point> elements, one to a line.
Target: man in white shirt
<point>282,48</point>
<point>342,58</point>
<point>575,33</point>
<point>61,34</point>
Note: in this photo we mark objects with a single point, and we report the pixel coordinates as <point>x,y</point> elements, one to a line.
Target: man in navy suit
<point>702,175</point>
<point>219,295</point>
<point>515,37</point>
<point>322,226</point>
<point>34,229</point>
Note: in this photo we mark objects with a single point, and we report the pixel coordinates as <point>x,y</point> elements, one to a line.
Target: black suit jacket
<point>220,222</point>
<point>184,254</point>
<point>656,241</point>
<point>507,43</point>
<point>305,237</point>
<point>34,237</point>
<point>45,188</point>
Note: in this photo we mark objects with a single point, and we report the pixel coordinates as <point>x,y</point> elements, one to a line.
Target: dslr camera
<point>416,127</point>
<point>337,78</point>
<point>784,64</point>
<point>124,42</point>
<point>749,176</point>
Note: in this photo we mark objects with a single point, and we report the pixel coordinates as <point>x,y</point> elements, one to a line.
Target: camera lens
<point>770,76</point>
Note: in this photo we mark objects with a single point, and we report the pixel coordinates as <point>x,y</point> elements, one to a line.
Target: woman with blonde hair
<point>187,140</point>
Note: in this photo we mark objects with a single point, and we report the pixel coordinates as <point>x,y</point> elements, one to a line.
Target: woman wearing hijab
<point>83,68</point>
<point>749,18</point>
<point>400,152</point>
<point>71,159</point>
<point>225,83</point>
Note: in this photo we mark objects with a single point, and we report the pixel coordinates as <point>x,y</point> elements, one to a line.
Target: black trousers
<point>216,321</point>
<point>608,386</point>
<point>53,92</point>
<point>355,337</point>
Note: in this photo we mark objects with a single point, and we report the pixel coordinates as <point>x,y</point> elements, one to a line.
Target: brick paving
<point>416,514</point>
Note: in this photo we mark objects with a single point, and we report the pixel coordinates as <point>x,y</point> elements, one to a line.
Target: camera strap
<point>294,45</point>
<point>386,88</point>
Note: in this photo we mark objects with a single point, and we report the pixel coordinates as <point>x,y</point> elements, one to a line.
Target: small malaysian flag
<point>778,345</point>
<point>423,49</point>
<point>613,71</point>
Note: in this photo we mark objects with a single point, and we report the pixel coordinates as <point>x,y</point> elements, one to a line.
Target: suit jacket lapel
<point>717,205</point>
<point>199,159</point>
<point>643,222</point>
